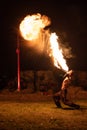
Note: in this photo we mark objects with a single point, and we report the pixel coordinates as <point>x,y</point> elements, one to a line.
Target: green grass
<point>37,112</point>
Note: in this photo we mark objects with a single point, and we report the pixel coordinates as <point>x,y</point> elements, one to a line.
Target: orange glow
<point>32,29</point>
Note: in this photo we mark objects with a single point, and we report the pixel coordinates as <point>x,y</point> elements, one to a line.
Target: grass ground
<point>24,111</point>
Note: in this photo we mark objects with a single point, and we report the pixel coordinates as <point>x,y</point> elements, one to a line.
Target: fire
<point>32,27</point>
<point>56,53</point>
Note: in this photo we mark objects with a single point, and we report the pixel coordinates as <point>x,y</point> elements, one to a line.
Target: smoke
<point>41,43</point>
<point>67,50</point>
<point>65,46</point>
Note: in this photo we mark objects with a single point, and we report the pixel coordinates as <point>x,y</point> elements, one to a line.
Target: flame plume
<point>56,53</point>
<point>33,27</point>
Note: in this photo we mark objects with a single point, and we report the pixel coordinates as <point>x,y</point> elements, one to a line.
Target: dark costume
<point>62,93</point>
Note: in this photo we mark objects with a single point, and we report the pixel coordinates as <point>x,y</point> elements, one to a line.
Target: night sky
<point>68,20</point>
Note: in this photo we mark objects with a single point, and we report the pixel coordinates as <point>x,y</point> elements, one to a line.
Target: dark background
<point>69,20</point>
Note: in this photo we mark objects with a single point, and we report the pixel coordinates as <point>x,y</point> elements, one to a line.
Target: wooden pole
<point>18,64</point>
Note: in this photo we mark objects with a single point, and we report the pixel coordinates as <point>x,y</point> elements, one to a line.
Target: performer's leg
<point>56,98</point>
<point>66,101</point>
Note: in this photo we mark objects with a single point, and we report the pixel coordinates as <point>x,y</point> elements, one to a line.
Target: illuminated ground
<point>24,111</point>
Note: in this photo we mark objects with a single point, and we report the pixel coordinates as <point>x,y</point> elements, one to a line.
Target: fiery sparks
<point>32,27</point>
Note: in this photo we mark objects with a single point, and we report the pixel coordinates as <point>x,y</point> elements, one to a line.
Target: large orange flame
<point>33,26</point>
<point>56,53</point>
